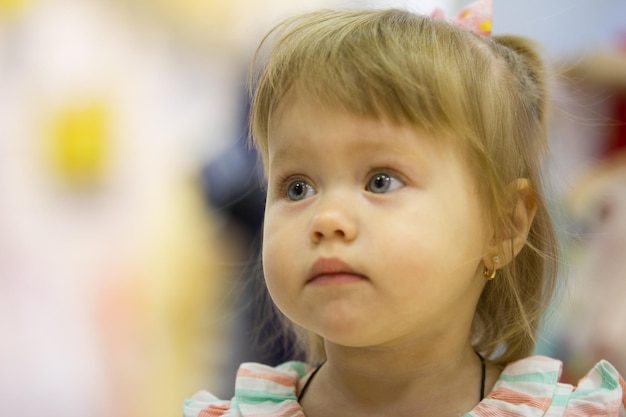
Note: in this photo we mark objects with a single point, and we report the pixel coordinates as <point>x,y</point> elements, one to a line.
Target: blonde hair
<point>487,95</point>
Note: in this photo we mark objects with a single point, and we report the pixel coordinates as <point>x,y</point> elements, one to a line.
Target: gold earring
<point>491,275</point>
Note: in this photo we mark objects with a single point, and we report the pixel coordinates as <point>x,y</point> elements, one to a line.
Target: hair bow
<point>475,16</point>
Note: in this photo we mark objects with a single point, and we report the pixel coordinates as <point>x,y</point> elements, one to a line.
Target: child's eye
<point>299,190</point>
<point>383,183</point>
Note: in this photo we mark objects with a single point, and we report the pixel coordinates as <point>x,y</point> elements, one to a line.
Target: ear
<point>521,207</point>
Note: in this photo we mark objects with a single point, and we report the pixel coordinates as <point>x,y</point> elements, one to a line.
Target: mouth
<point>333,271</point>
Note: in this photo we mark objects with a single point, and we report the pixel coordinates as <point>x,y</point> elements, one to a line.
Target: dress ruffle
<point>526,388</point>
<point>259,390</point>
<point>531,388</point>
<point>602,392</point>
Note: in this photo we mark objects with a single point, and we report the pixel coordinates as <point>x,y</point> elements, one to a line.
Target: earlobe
<point>521,208</point>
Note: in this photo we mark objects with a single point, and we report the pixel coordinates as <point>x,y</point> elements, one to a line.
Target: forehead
<point>301,124</point>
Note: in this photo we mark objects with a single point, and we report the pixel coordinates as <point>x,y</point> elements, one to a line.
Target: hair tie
<point>476,16</point>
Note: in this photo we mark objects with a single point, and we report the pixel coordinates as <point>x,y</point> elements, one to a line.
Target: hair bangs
<point>361,66</point>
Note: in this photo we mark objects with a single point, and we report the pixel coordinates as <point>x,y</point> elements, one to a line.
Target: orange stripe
<point>487,410</point>
<point>514,397</point>
<point>596,410</point>
<point>291,409</point>
<point>277,378</point>
<point>214,411</point>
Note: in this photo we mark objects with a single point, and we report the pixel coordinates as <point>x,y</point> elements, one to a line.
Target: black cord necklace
<point>482,378</point>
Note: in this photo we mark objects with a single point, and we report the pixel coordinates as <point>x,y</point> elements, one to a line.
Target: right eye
<point>299,190</point>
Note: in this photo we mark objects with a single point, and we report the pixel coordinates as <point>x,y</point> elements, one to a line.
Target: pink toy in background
<point>476,17</point>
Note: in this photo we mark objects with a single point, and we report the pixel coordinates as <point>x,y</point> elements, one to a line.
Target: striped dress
<point>529,387</point>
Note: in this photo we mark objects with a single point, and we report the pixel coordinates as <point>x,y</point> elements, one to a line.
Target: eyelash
<point>394,176</point>
<point>286,181</point>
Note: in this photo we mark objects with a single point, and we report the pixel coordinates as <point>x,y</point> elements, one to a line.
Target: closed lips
<point>329,267</point>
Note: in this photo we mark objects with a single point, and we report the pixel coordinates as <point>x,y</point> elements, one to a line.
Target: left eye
<point>383,183</point>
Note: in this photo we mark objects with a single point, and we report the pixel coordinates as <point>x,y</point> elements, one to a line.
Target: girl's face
<point>373,232</point>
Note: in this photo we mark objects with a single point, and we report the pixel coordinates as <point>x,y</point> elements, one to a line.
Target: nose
<point>333,222</point>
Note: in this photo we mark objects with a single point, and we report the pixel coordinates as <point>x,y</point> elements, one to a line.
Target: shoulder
<point>531,387</point>
<point>259,389</point>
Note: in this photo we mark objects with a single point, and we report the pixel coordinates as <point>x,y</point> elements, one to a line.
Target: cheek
<point>431,247</point>
<point>276,253</point>
<point>280,273</point>
<point>272,271</point>
<point>270,252</point>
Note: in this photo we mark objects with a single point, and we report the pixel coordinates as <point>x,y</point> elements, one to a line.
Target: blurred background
<point>130,204</point>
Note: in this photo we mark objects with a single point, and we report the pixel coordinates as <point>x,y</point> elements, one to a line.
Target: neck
<point>371,381</point>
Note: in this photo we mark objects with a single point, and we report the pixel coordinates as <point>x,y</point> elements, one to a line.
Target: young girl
<point>406,232</point>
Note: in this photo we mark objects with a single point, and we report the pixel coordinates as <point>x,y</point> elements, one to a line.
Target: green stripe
<point>560,400</point>
<point>300,367</point>
<point>609,383</point>
<point>248,396</point>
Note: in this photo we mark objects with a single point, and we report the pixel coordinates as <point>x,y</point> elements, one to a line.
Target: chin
<point>345,334</point>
